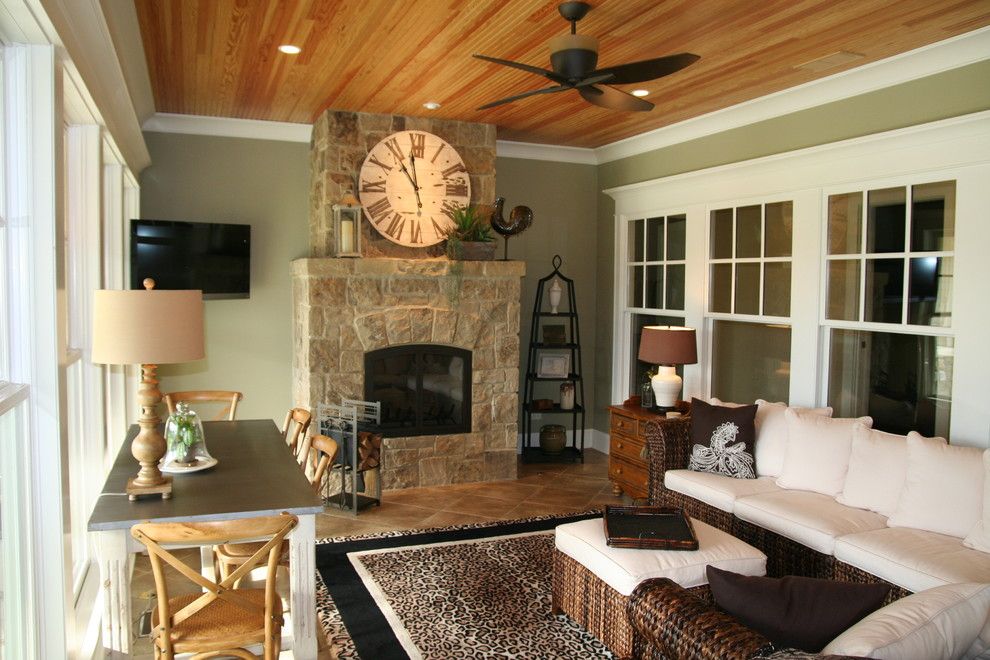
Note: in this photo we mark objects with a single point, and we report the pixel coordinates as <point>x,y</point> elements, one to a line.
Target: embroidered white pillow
<point>877,469</point>
<point>943,622</point>
<point>817,454</point>
<point>979,537</point>
<point>943,491</point>
<point>771,435</point>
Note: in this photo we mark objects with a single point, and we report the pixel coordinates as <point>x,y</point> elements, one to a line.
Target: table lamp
<point>667,346</point>
<point>148,328</point>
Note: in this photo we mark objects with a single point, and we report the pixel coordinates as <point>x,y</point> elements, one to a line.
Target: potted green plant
<point>470,238</point>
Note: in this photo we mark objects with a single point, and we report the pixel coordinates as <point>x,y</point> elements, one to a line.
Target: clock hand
<point>419,203</point>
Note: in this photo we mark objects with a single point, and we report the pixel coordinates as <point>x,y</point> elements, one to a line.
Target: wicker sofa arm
<point>673,623</point>
<point>668,446</point>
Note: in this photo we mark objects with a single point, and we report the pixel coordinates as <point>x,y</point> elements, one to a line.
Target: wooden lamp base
<point>164,489</point>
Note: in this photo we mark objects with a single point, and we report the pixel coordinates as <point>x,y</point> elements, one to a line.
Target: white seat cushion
<point>979,537</point>
<point>941,623</point>
<point>624,568</point>
<point>913,558</point>
<point>715,489</point>
<point>812,519</point>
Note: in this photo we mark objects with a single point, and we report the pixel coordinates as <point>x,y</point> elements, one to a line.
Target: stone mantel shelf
<point>386,266</point>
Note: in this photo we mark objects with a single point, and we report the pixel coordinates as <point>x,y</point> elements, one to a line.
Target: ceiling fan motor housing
<point>573,55</point>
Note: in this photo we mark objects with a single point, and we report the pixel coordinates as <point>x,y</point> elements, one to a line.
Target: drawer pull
<point>619,445</point>
<point>642,453</point>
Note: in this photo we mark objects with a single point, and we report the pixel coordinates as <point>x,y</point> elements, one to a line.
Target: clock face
<point>409,182</point>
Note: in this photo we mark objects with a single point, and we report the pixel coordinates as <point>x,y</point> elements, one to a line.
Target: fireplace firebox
<point>424,389</point>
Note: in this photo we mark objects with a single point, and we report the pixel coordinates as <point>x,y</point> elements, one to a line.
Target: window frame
<point>622,344</point>
<point>827,326</point>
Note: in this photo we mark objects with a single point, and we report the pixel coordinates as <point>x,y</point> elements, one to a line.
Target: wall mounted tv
<point>212,257</point>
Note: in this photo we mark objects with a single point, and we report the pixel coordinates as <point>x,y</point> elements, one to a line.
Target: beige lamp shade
<point>147,327</point>
<point>664,344</point>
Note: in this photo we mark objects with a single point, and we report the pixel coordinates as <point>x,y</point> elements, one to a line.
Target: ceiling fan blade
<point>546,73</point>
<point>613,99</point>
<point>635,72</point>
<point>509,99</point>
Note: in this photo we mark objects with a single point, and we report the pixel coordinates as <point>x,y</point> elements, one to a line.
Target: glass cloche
<point>186,444</point>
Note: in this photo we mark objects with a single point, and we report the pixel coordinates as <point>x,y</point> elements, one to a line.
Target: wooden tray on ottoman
<point>652,527</point>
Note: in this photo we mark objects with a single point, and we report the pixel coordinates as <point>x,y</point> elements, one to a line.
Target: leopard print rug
<point>481,598</point>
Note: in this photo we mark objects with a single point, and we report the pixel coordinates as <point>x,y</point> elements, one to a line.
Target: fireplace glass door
<point>424,389</point>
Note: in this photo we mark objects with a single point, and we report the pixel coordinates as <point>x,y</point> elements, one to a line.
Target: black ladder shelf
<point>538,347</point>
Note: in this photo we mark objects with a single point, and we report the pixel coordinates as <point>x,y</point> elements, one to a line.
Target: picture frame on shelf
<point>554,334</point>
<point>554,366</point>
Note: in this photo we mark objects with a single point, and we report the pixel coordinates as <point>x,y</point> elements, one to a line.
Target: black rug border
<point>367,626</point>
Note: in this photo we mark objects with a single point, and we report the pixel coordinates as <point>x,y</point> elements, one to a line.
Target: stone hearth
<point>345,307</point>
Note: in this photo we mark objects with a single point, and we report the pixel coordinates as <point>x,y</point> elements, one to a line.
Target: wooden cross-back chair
<point>230,555</point>
<point>221,620</point>
<point>294,427</point>
<point>228,399</point>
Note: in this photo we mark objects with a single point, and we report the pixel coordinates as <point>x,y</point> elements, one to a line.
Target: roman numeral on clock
<point>393,146</point>
<point>416,233</point>
<point>457,188</point>
<point>417,144</point>
<point>453,169</point>
<point>439,149</point>
<point>379,209</point>
<point>373,186</point>
<point>437,228</point>
<point>380,164</point>
<point>449,207</point>
<point>395,224</point>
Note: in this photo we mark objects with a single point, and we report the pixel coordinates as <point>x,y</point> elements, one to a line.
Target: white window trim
<point>34,156</point>
<point>960,144</point>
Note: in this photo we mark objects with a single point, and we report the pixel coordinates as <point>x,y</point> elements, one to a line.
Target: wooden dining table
<point>256,475</point>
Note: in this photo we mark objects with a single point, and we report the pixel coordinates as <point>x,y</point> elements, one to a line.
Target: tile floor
<point>540,489</point>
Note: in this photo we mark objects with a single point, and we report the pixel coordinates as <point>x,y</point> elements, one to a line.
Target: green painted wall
<point>949,94</point>
<point>257,182</point>
<point>563,198</point>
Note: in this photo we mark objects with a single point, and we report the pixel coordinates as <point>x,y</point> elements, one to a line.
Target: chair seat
<point>218,619</point>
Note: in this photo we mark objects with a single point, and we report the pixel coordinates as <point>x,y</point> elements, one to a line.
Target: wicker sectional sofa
<point>806,533</point>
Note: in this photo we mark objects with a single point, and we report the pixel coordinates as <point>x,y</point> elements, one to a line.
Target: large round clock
<point>408,185</point>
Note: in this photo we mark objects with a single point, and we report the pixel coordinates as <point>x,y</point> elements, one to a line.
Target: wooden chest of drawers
<point>627,466</point>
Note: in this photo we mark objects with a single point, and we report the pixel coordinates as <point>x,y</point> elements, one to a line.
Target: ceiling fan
<point>574,58</point>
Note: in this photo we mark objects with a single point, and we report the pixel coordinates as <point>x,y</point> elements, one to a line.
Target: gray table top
<point>256,475</point>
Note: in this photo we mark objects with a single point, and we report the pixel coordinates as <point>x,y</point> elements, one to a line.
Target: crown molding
<point>552,152</point>
<point>162,122</point>
<point>925,61</point>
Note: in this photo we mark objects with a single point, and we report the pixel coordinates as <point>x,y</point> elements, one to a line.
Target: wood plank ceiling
<point>220,57</point>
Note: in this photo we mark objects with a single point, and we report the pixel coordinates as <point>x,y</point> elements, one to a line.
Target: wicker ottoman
<point>592,582</point>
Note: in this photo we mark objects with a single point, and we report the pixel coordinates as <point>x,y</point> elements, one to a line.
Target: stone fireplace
<point>346,308</point>
<point>396,297</point>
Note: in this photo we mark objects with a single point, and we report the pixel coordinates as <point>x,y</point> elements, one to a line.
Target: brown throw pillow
<point>796,612</point>
<point>723,439</point>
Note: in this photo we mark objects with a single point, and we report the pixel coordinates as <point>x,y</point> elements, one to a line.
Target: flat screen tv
<point>212,257</point>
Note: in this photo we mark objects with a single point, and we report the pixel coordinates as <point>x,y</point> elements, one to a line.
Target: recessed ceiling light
<point>289,49</point>
<point>431,105</point>
<point>640,92</point>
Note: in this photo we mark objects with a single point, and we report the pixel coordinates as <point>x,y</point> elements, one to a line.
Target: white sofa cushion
<point>624,568</point>
<point>771,435</point>
<point>717,490</point>
<point>913,558</point>
<point>812,519</point>
<point>941,623</point>
<point>817,455</point>
<point>979,537</point>
<point>943,490</point>
<point>877,468</point>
